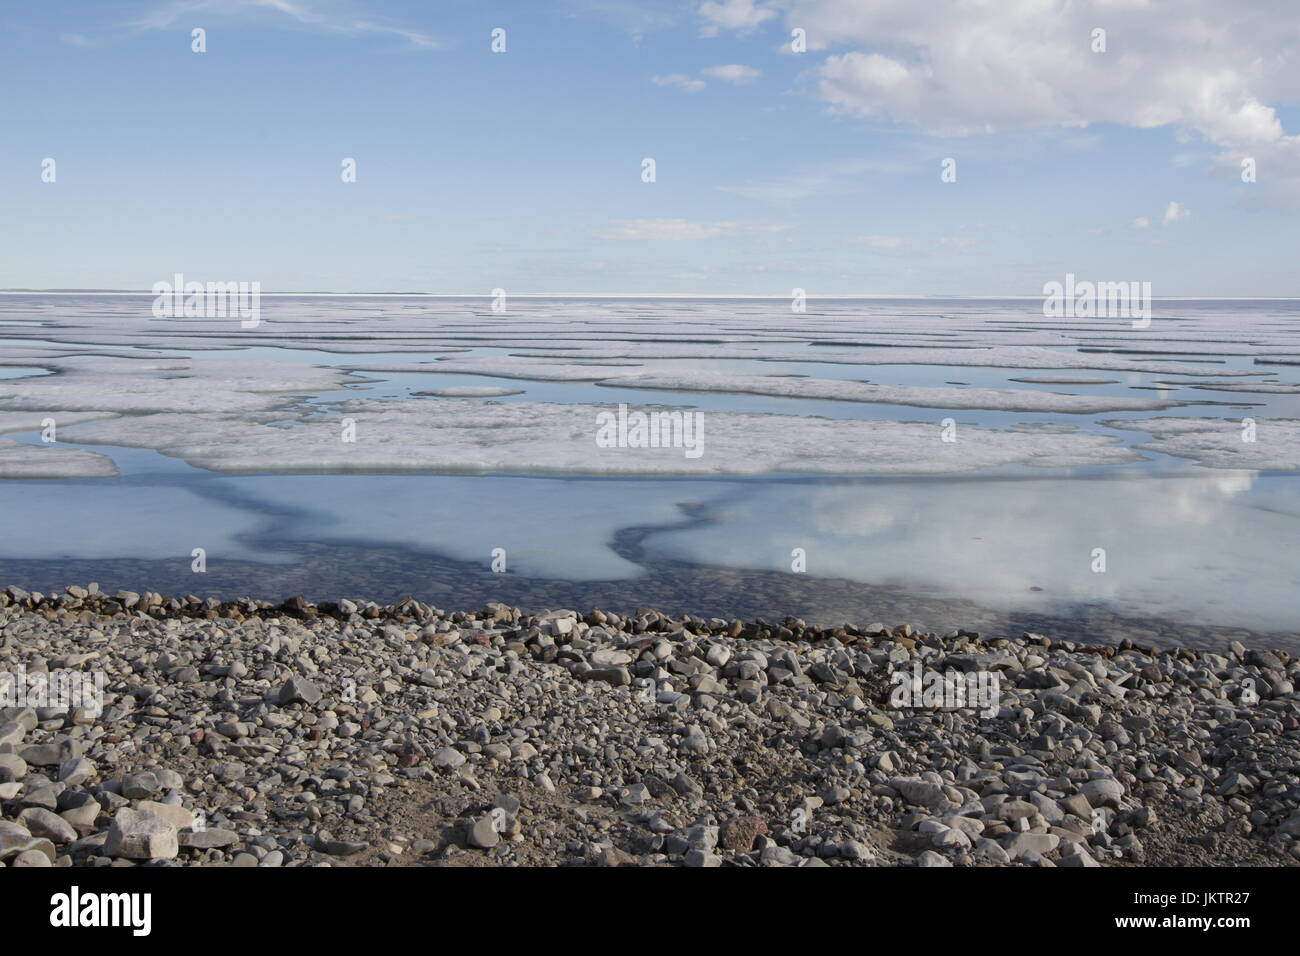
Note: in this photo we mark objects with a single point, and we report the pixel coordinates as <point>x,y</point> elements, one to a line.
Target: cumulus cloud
<point>742,15</point>
<point>681,229</point>
<point>1215,69</point>
<point>1175,212</point>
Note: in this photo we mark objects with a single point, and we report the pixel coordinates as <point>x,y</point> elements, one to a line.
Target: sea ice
<point>35,421</point>
<point>1007,400</point>
<point>135,386</point>
<point>470,391</point>
<point>1262,444</point>
<point>22,460</point>
<point>483,436</point>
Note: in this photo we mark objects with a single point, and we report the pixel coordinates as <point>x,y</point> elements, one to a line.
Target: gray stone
<point>140,786</point>
<point>483,834</point>
<point>43,823</point>
<point>930,858</point>
<point>448,758</point>
<point>139,835</point>
<point>207,838</point>
<point>1018,844</point>
<point>299,689</point>
<point>52,754</point>
<point>1104,792</point>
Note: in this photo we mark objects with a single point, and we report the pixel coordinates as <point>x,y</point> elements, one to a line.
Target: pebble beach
<point>291,734</point>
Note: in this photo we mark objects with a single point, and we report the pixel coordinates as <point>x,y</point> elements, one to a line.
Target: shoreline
<point>293,734</point>
<point>387,575</point>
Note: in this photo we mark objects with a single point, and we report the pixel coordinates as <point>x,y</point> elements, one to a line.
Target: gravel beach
<point>250,733</point>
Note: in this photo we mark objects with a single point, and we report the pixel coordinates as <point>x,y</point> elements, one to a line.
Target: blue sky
<point>775,170</point>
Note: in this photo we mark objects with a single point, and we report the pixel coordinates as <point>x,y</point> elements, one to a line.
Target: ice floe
<point>34,421</point>
<point>1064,380</point>
<point>182,384</point>
<point>22,460</point>
<point>1262,444</point>
<point>1008,400</point>
<point>524,437</point>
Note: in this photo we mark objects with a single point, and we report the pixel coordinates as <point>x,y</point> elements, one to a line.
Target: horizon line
<point>649,295</point>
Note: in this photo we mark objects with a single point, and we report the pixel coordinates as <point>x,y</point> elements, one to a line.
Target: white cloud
<point>1175,212</point>
<point>681,229</point>
<point>340,17</point>
<point>732,73</point>
<point>1214,69</point>
<point>742,15</point>
<point>1141,222</point>
<point>679,81</point>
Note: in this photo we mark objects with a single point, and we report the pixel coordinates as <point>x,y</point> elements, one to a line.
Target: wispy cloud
<point>732,73</point>
<point>882,242</point>
<point>679,81</point>
<point>631,16</point>
<point>814,181</point>
<point>674,230</point>
<point>337,17</point>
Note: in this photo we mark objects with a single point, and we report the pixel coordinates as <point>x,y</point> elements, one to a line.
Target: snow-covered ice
<point>484,436</point>
<point>1009,400</point>
<point>1263,444</point>
<point>22,460</point>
